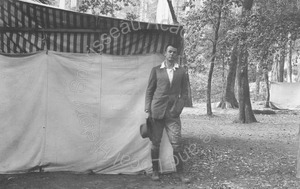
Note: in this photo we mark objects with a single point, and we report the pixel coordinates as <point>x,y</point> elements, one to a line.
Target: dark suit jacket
<point>160,94</point>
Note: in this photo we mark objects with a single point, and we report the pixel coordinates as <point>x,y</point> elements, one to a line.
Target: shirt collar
<point>163,65</point>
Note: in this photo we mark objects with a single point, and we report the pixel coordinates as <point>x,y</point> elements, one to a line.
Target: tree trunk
<point>174,18</point>
<point>245,109</point>
<point>278,66</point>
<point>266,78</point>
<point>223,75</point>
<point>275,68</point>
<point>228,100</point>
<point>212,64</point>
<point>258,74</point>
<point>208,92</point>
<point>289,65</point>
<point>281,64</point>
<point>189,102</point>
<point>298,74</point>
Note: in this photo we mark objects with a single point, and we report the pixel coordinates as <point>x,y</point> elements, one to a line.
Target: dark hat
<point>145,129</point>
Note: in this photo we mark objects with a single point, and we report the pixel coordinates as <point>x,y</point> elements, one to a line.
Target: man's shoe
<point>179,168</point>
<point>155,176</point>
<point>155,164</point>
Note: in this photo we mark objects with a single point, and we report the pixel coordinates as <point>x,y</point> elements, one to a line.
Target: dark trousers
<point>173,129</point>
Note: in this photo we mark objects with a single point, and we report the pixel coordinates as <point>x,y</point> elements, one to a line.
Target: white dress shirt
<point>170,71</point>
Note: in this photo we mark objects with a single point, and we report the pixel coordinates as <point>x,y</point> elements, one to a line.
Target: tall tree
<point>228,99</point>
<point>216,27</point>
<point>266,78</point>
<point>246,114</point>
<point>258,74</point>
<point>278,64</point>
<point>289,62</point>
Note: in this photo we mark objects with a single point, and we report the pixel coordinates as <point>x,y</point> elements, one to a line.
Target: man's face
<point>171,53</point>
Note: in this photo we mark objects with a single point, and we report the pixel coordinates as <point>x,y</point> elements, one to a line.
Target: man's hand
<point>147,112</point>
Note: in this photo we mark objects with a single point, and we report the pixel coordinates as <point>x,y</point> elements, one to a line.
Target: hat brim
<point>145,129</point>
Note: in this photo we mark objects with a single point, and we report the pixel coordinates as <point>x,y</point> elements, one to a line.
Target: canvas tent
<point>72,90</point>
<point>285,95</point>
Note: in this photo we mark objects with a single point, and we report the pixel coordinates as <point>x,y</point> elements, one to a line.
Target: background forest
<point>271,39</point>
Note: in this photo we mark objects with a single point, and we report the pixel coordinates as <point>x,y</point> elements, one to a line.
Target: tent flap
<point>75,112</point>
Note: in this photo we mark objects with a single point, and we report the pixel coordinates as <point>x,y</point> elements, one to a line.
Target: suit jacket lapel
<point>165,76</point>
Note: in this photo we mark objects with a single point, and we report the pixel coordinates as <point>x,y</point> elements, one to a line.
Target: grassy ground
<point>258,155</point>
<point>219,154</point>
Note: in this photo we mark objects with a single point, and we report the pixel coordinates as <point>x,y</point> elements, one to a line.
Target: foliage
<point>131,16</point>
<point>198,86</point>
<point>47,2</point>
<point>271,24</point>
<point>199,24</point>
<point>108,7</point>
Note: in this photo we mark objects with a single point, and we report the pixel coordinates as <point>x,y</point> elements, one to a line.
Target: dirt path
<point>224,155</point>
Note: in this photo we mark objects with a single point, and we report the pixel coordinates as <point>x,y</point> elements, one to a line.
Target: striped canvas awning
<point>27,28</point>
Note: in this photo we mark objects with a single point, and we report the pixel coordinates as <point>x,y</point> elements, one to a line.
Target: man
<point>167,87</point>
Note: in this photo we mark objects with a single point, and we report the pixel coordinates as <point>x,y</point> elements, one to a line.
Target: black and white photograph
<point>149,94</point>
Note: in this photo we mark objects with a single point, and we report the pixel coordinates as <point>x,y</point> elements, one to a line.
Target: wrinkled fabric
<point>285,95</point>
<point>75,112</point>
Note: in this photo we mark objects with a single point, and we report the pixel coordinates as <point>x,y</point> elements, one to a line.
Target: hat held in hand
<point>145,129</point>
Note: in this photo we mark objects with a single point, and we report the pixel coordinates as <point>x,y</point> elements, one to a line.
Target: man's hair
<point>172,45</point>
